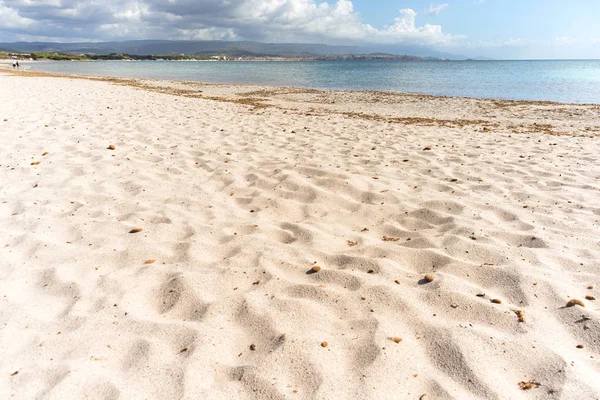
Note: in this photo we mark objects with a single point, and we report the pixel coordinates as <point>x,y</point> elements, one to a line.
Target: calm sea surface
<point>562,81</point>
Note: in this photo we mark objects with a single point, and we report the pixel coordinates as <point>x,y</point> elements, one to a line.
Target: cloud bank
<point>262,20</point>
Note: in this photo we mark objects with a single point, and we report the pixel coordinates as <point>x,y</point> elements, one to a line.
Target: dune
<point>163,240</point>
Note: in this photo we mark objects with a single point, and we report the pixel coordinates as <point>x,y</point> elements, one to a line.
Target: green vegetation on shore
<point>55,56</point>
<point>200,57</point>
<point>113,56</point>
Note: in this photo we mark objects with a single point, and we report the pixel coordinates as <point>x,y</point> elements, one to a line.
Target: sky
<point>501,29</point>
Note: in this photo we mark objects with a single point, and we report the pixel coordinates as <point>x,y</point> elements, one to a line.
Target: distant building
<point>17,56</point>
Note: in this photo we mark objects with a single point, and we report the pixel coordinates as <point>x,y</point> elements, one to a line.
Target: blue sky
<point>527,28</point>
<point>497,19</point>
<point>503,29</point>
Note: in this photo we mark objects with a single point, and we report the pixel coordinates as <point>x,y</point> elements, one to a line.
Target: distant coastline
<point>37,56</point>
<point>229,49</point>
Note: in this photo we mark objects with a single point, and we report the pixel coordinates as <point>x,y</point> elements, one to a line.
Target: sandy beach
<point>178,240</point>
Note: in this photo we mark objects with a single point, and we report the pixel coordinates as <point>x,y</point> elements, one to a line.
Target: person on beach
<point>14,64</point>
<point>18,66</point>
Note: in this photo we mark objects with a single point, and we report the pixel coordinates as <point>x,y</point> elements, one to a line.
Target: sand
<point>450,235</point>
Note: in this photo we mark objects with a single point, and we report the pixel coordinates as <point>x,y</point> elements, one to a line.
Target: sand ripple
<point>236,204</point>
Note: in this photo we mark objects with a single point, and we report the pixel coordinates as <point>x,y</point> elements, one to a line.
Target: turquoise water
<point>561,81</point>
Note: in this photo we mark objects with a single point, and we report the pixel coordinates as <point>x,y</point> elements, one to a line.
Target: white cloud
<point>264,20</point>
<point>521,42</point>
<point>11,19</point>
<point>435,9</point>
<point>564,40</point>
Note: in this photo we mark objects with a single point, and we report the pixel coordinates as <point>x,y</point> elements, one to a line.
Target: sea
<point>565,81</point>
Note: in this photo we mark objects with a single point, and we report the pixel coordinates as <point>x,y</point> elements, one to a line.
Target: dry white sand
<point>237,202</point>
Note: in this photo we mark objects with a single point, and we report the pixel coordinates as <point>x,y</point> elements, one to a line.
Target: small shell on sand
<point>496,301</point>
<point>395,339</point>
<point>397,282</point>
<point>111,147</point>
<point>252,347</point>
<point>427,148</point>
<point>45,153</point>
<point>580,346</point>
<point>135,230</point>
<point>520,315</point>
<point>590,297</point>
<point>316,268</point>
<point>351,243</point>
<point>528,385</point>
<point>36,163</point>
<point>575,302</point>
<point>429,278</point>
<point>324,344</point>
<point>149,261</point>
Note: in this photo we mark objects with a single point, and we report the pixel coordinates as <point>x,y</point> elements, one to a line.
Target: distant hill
<point>150,47</point>
<point>218,47</point>
<point>415,50</point>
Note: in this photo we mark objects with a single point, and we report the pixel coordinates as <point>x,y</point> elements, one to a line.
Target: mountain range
<point>217,47</point>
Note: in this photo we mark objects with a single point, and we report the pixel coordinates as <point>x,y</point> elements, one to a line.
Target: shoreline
<point>532,102</point>
<point>265,96</point>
